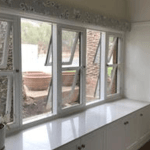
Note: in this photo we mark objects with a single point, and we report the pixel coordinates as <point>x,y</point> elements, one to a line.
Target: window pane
<point>37,78</point>
<point>70,48</point>
<point>111,80</point>
<point>70,88</point>
<point>3,29</point>
<point>6,90</point>
<point>6,99</point>
<point>113,50</point>
<point>93,65</point>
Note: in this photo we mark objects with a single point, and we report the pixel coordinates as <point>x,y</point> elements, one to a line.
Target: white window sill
<point>53,134</point>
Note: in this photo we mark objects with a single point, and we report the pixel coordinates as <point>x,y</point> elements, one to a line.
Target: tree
<point>38,33</point>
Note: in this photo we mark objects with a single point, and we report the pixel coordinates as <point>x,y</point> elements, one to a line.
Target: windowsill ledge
<point>56,133</point>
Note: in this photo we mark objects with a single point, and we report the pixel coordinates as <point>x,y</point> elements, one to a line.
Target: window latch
<point>17,70</point>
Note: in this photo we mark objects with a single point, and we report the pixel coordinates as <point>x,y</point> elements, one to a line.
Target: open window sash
<point>5,47</point>
<point>98,53</point>
<point>48,61</point>
<point>112,49</point>
<point>72,50</point>
<point>97,89</point>
<point>115,67</point>
<point>75,80</point>
<point>50,96</point>
<point>9,76</point>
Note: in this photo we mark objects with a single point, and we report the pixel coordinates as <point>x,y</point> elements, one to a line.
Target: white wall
<point>137,52</point>
<point>116,8</point>
<point>138,10</point>
<point>137,62</point>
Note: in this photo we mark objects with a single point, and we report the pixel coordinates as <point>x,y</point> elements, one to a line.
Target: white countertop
<point>56,133</point>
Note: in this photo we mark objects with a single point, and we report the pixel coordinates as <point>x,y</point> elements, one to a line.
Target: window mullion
<point>56,69</point>
<point>17,78</point>
<point>83,69</point>
<point>103,65</point>
<point>120,67</point>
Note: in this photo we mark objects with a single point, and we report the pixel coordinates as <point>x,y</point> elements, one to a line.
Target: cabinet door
<point>115,136</point>
<point>143,123</point>
<point>93,141</point>
<point>70,146</point>
<point>130,124</point>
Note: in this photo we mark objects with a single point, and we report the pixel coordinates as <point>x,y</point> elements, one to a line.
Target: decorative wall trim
<point>50,8</point>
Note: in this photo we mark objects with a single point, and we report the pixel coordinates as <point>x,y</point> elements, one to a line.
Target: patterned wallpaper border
<point>50,8</point>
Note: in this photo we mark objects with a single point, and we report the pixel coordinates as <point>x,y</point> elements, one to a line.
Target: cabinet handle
<point>79,148</point>
<point>83,146</point>
<point>141,114</point>
<point>126,123</point>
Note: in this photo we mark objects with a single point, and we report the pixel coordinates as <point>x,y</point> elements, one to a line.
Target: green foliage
<point>109,71</point>
<point>37,33</point>
<point>68,38</point>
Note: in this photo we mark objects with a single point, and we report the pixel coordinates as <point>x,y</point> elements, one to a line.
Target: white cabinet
<point>70,146</point>
<point>122,135</point>
<point>92,141</point>
<point>143,122</point>
<point>115,136</point>
<point>131,128</point>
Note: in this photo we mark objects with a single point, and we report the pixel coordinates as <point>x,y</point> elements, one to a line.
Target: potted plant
<point>3,123</point>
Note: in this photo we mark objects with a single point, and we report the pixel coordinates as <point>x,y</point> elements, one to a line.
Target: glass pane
<point>37,78</point>
<point>70,48</point>
<point>113,50</point>
<point>93,65</point>
<point>3,29</point>
<point>6,104</point>
<point>70,88</point>
<point>111,80</point>
<point>6,107</point>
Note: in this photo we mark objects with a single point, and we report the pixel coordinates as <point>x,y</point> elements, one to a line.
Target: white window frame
<point>51,93</point>
<point>81,67</point>
<point>6,44</point>
<point>117,66</point>
<point>13,74</point>
<point>17,79</point>
<point>100,48</point>
<point>9,76</point>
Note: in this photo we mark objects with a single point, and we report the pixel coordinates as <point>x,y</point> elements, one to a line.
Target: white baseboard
<point>141,142</point>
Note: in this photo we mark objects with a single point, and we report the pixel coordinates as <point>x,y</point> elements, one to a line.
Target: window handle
<point>17,70</point>
<point>83,146</point>
<point>141,115</point>
<point>79,148</point>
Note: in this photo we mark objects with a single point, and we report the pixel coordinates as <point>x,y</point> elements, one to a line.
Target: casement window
<point>113,64</point>
<point>36,47</point>
<point>72,62</point>
<point>48,69</point>
<point>93,65</point>
<point>5,32</point>
<point>6,70</point>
